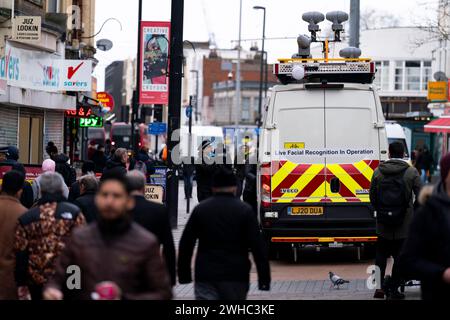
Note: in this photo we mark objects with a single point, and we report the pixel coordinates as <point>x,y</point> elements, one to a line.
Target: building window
<point>426,75</point>
<point>382,76</point>
<point>53,6</point>
<point>245,109</point>
<point>412,75</point>
<point>412,70</point>
<point>399,70</point>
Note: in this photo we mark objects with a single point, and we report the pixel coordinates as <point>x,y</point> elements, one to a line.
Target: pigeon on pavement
<point>337,281</point>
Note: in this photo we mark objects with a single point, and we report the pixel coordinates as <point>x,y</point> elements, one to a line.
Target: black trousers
<point>221,290</point>
<point>386,249</point>
<point>188,180</point>
<point>250,198</point>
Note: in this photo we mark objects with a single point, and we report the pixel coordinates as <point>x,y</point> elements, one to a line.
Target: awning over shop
<point>439,125</point>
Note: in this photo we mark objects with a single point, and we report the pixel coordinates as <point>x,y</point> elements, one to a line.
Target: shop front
<point>441,127</point>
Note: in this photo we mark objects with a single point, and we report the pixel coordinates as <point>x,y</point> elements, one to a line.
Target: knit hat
<point>445,166</point>
<point>224,178</point>
<point>48,166</point>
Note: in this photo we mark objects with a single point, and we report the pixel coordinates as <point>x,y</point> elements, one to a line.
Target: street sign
<point>159,179</point>
<point>76,75</point>
<point>92,122</point>
<point>437,91</point>
<point>80,112</point>
<point>154,193</point>
<point>106,100</point>
<point>189,111</point>
<point>157,128</point>
<point>27,29</point>
<point>32,171</point>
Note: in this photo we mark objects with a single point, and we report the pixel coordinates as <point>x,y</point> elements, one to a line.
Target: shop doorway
<point>31,129</point>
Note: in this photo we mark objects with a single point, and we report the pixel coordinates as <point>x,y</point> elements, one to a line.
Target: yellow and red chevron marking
<point>297,183</point>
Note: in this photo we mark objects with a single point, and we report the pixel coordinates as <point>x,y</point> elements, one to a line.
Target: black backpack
<point>68,173</point>
<point>392,199</point>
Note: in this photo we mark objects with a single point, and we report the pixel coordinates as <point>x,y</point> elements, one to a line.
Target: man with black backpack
<point>391,194</point>
<point>62,164</point>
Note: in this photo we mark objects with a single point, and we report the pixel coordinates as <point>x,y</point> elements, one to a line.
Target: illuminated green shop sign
<point>92,122</point>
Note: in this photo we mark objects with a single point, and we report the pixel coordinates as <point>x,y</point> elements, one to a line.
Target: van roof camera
<point>337,18</point>
<point>313,18</point>
<point>304,47</point>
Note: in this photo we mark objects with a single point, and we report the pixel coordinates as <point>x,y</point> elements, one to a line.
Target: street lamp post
<point>230,101</point>
<point>261,84</point>
<point>196,93</point>
<point>266,66</point>
<point>238,117</point>
<point>174,109</point>
<point>135,106</point>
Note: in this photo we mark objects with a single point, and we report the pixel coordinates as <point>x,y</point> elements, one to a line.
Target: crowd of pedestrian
<point>121,242</point>
<point>124,247</point>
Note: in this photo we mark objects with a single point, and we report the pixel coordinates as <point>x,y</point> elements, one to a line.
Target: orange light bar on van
<point>323,239</point>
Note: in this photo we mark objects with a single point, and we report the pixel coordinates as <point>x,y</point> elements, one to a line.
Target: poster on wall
<point>155,63</point>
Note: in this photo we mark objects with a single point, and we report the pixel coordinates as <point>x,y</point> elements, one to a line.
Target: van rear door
<point>351,131</point>
<point>299,119</point>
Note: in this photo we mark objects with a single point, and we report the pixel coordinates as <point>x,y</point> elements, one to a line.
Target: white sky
<point>221,17</point>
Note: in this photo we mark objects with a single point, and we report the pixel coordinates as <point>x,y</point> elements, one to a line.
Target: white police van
<point>323,135</point>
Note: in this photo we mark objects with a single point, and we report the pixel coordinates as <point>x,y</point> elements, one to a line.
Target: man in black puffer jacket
<point>86,201</point>
<point>62,164</point>
<point>118,162</point>
<point>426,255</point>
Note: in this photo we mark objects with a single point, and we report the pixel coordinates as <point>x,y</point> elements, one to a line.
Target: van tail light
<point>372,68</point>
<point>265,185</point>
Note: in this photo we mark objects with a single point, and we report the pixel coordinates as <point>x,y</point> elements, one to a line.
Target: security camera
<point>304,47</point>
<point>440,76</point>
<point>337,18</point>
<point>313,18</point>
<point>350,53</point>
<point>304,42</point>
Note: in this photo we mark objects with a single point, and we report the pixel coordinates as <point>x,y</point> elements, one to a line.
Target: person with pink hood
<point>47,166</point>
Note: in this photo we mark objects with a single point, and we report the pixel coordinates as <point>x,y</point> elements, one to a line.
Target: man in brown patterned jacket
<point>41,235</point>
<point>115,257</point>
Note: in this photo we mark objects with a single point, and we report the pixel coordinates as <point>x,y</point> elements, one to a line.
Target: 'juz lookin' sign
<point>27,29</point>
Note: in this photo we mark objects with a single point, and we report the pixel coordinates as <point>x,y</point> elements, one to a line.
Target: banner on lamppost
<point>154,63</point>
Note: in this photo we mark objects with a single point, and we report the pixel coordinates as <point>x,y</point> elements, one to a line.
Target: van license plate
<point>305,211</point>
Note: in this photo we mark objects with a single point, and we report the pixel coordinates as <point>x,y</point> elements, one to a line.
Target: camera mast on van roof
<point>303,68</point>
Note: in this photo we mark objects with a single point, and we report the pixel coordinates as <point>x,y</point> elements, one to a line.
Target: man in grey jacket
<point>392,236</point>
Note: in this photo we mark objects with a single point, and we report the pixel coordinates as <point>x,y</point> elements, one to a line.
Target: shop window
<point>400,107</point>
